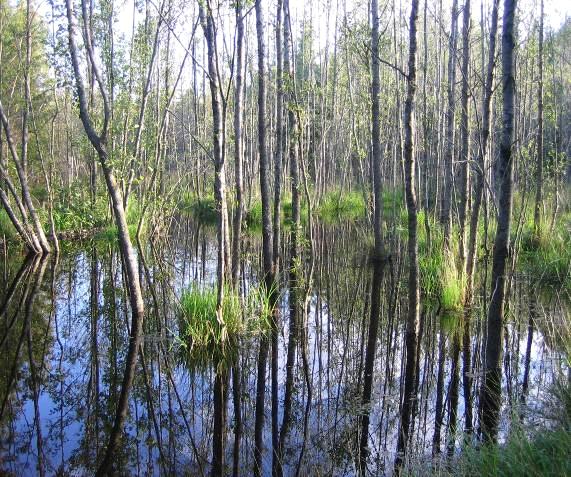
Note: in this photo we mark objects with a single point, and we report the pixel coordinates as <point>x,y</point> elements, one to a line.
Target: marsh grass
<point>206,336</point>
<point>338,205</point>
<point>546,255</point>
<point>74,212</point>
<point>202,209</point>
<point>6,227</point>
<point>534,451</point>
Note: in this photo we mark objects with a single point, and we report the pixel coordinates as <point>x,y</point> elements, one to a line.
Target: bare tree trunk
<point>490,400</point>
<point>412,326</point>
<point>130,265</point>
<point>376,130</point>
<point>266,235</point>
<point>378,258</point>
<point>539,170</point>
<point>293,131</point>
<point>449,139</point>
<point>238,145</point>
<point>278,158</point>
<point>207,21</point>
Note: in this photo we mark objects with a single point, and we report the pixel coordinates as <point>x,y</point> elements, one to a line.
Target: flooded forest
<point>285,238</point>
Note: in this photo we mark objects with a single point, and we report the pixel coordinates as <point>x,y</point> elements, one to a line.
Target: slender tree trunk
<point>266,235</point>
<point>449,139</point>
<point>479,171</point>
<point>293,131</point>
<point>490,400</point>
<point>378,259</point>
<point>207,21</point>
<point>412,326</point>
<point>278,158</point>
<point>376,130</point>
<point>238,145</point>
<point>439,406</point>
<point>539,170</point>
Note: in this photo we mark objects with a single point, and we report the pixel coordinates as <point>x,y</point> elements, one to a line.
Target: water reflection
<point>64,335</point>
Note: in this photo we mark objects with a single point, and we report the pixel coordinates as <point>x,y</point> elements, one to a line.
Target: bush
<point>74,210</point>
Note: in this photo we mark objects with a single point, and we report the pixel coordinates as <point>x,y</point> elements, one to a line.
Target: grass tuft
<point>6,227</point>
<point>342,205</point>
<point>202,209</point>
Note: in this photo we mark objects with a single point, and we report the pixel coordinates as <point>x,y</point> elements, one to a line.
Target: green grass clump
<point>342,205</point>
<point>201,326</point>
<point>6,228</point>
<point>535,451</point>
<point>452,286</point>
<point>203,332</point>
<point>202,209</point>
<point>254,214</point>
<point>545,453</point>
<point>546,255</point>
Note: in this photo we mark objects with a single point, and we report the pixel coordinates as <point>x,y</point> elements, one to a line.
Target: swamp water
<point>64,337</point>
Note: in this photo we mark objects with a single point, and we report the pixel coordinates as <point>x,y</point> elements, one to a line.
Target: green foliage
<point>546,254</point>
<point>204,333</point>
<point>393,202</point>
<point>74,211</point>
<point>337,204</point>
<point>6,228</point>
<point>287,210</point>
<point>254,214</point>
<point>202,209</point>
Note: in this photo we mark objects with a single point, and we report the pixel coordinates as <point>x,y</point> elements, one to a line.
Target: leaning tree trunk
<point>490,400</point>
<point>130,266</point>
<point>412,326</point>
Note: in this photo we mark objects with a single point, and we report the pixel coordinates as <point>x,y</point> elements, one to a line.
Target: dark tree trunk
<point>412,325</point>
<point>475,215</point>
<point>238,146</point>
<point>490,400</point>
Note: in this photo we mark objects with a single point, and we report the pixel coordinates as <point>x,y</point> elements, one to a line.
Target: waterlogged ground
<point>64,329</point>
